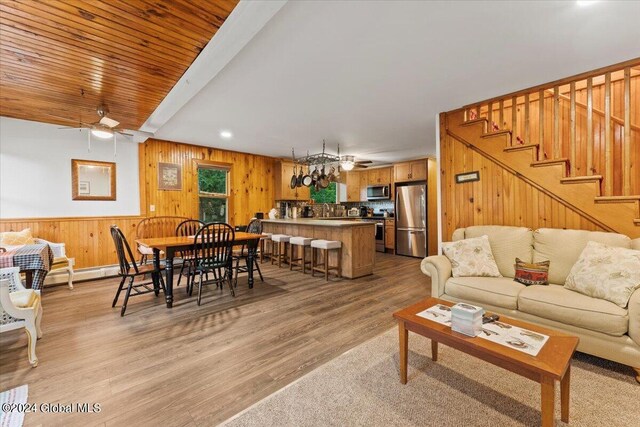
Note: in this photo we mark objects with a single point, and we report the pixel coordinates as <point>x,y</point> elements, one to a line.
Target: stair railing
<point>612,143</point>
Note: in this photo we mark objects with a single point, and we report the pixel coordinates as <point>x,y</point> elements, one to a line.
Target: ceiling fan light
<point>347,162</point>
<point>102,132</point>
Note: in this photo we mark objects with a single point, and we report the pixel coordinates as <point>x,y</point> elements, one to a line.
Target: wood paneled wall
<point>251,180</point>
<point>499,198</point>
<point>88,239</point>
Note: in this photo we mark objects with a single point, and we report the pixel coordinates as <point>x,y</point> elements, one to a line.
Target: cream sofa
<point>605,329</point>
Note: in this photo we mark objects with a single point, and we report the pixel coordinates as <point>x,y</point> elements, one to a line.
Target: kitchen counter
<point>357,237</point>
<point>325,221</point>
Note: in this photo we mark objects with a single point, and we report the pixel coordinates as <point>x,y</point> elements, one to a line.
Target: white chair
<point>20,308</point>
<point>325,246</point>
<point>60,260</point>
<point>279,248</point>
<point>299,261</point>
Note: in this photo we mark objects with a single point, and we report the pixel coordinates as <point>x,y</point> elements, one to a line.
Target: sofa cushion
<point>507,244</point>
<point>557,303</point>
<point>635,244</point>
<point>606,272</point>
<point>470,257</point>
<point>563,248</point>
<point>497,291</point>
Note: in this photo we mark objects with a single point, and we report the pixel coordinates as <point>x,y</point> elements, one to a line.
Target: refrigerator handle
<point>423,204</point>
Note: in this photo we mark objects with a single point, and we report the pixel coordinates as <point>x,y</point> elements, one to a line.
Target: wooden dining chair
<point>248,248</point>
<point>129,269</point>
<point>213,247</point>
<point>187,228</point>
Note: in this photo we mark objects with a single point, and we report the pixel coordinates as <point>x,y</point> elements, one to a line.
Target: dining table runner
<point>36,258</point>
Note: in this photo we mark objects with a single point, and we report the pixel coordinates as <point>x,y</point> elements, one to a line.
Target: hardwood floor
<point>197,366</point>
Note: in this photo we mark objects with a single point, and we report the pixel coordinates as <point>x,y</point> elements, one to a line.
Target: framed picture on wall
<point>169,176</point>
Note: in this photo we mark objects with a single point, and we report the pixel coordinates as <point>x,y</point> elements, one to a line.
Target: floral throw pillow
<point>606,272</point>
<point>471,257</point>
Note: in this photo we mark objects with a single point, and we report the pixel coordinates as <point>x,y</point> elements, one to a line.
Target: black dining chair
<point>187,228</point>
<point>213,247</point>
<point>248,248</point>
<point>129,269</point>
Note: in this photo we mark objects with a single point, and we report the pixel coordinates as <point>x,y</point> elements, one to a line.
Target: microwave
<point>378,192</point>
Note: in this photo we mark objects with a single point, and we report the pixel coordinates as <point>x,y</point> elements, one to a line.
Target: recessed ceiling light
<point>226,134</point>
<point>586,2</point>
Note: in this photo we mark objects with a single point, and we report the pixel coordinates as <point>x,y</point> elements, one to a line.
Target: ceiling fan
<point>348,162</point>
<point>106,128</point>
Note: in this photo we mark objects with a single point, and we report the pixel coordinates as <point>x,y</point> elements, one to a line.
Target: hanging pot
<point>323,182</point>
<point>314,176</point>
<point>300,177</point>
<point>331,176</point>
<point>294,179</point>
<point>307,180</point>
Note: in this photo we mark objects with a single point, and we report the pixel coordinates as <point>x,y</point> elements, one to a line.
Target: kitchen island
<point>357,237</point>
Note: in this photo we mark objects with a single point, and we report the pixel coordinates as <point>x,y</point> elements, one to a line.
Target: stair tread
<point>521,147</point>
<point>495,132</point>
<point>549,162</point>
<point>584,178</point>
<point>618,198</point>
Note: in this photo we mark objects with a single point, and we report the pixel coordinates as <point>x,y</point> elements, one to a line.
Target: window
<point>327,195</point>
<point>213,193</point>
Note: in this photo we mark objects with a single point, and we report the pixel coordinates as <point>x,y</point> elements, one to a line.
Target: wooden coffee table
<point>552,363</point>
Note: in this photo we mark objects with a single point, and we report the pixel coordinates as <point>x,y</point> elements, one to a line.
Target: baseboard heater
<point>60,278</point>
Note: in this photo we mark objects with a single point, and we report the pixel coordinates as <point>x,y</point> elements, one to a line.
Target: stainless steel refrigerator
<point>411,220</point>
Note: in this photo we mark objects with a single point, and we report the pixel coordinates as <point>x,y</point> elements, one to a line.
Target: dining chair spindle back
<point>129,269</point>
<point>213,253</point>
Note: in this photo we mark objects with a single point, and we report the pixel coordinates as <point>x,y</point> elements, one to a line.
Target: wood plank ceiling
<point>60,59</point>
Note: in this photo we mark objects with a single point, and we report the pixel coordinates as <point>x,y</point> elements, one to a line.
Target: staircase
<point>585,157</point>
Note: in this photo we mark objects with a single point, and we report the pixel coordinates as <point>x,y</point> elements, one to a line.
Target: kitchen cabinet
<point>283,191</point>
<point>364,182</point>
<point>389,234</point>
<point>379,176</point>
<point>415,170</point>
<point>384,176</point>
<point>353,186</point>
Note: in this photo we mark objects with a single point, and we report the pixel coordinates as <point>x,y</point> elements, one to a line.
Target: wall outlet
<point>72,261</point>
<point>152,208</point>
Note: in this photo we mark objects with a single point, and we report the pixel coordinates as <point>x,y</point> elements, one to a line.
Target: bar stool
<point>301,261</point>
<point>279,244</point>
<point>325,246</point>
<point>264,244</point>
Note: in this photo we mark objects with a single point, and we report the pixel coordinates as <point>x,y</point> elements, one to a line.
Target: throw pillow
<point>606,272</point>
<point>16,238</point>
<point>534,273</point>
<point>471,257</point>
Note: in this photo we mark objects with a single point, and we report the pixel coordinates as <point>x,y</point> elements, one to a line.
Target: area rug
<point>11,403</point>
<point>362,388</point>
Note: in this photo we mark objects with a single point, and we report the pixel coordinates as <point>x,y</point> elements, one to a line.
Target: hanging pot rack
<point>323,158</point>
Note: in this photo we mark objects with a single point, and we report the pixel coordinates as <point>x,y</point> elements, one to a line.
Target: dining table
<point>175,244</point>
<point>34,260</point>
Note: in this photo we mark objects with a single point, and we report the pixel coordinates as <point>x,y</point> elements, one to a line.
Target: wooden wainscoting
<point>499,198</point>
<point>87,239</point>
<point>251,180</point>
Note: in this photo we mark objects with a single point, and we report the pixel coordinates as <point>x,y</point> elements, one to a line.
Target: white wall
<point>35,171</point>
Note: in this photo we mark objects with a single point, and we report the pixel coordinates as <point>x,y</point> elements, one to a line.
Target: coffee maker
<point>307,212</point>
<point>364,211</point>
